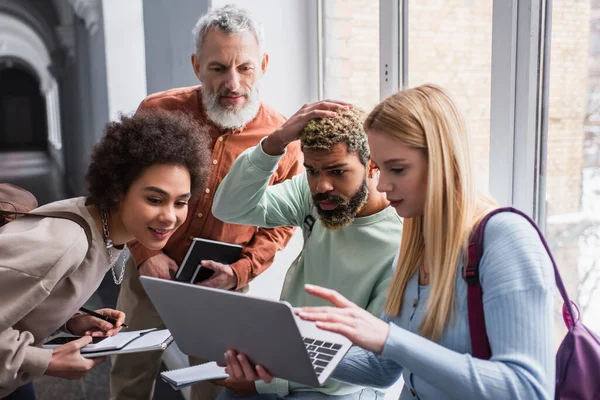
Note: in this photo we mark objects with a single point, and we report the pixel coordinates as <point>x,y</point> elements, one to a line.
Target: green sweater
<point>355,260</point>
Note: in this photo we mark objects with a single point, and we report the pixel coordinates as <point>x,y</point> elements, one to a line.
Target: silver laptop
<point>207,322</point>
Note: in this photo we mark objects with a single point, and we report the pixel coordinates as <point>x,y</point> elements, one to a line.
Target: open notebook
<point>123,342</point>
<point>180,378</point>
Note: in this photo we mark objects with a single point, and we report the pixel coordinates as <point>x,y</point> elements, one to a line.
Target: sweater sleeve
<point>245,197</point>
<point>259,253</point>
<point>517,280</point>
<point>364,368</point>
<point>29,268</point>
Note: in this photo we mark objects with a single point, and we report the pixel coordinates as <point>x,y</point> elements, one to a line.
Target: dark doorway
<point>22,110</point>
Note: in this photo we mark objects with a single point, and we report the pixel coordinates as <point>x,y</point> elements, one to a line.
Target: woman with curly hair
<point>140,179</point>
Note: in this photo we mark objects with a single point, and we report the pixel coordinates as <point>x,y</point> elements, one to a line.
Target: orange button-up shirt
<point>260,244</point>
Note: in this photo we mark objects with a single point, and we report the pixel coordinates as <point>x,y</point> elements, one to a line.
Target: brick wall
<point>568,104</point>
<point>450,43</point>
<point>351,48</point>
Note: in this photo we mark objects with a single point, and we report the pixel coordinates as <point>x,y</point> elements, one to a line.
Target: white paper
<point>182,377</point>
<point>154,340</point>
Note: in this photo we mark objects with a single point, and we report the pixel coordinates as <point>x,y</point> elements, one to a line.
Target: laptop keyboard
<point>320,353</point>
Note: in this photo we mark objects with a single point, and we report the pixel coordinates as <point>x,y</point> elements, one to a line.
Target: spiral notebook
<point>123,342</point>
<point>182,377</point>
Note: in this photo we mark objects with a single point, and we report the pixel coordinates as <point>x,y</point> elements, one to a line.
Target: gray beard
<point>230,117</point>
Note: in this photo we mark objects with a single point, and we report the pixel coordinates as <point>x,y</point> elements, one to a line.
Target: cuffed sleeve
<point>20,360</point>
<point>279,386</point>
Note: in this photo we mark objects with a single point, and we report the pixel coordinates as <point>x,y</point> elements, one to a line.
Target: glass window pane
<point>572,198</point>
<point>351,51</point>
<point>450,44</point>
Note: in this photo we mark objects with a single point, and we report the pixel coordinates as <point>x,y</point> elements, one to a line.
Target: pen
<point>102,317</point>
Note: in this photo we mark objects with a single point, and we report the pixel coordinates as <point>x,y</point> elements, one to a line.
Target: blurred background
<point>526,74</point>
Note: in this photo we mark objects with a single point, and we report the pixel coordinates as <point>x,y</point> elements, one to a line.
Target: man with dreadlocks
<point>354,227</point>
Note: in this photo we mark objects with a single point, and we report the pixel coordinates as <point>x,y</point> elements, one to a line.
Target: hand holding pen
<point>103,322</point>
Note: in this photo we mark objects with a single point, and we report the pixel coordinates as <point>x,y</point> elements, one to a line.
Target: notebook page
<point>186,376</point>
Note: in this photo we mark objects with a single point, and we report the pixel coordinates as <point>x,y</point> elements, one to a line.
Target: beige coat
<point>46,274</point>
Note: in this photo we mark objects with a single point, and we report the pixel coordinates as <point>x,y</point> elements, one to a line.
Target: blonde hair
<point>427,118</point>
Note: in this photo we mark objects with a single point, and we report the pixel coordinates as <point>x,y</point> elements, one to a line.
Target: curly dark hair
<point>346,127</point>
<point>132,144</point>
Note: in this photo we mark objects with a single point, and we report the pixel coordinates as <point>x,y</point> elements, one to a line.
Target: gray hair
<point>229,19</point>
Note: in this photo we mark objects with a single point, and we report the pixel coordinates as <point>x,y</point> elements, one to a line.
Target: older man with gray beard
<point>229,61</point>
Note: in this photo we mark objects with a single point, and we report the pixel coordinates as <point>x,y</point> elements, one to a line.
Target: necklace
<point>109,246</point>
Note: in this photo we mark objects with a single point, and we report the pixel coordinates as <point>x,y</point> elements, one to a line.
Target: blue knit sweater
<point>518,289</point>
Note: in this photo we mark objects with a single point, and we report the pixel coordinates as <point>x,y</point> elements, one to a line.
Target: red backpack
<point>577,358</point>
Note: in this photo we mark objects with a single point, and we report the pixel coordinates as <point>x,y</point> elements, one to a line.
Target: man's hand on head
<point>276,142</point>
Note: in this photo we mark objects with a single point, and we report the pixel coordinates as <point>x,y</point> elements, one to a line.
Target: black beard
<point>346,209</point>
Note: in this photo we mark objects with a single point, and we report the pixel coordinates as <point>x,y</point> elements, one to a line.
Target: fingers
<point>109,329</point>
<point>264,374</point>
<point>119,316</point>
<point>215,266</point>
<point>234,369</point>
<point>333,316</point>
<point>328,105</point>
<point>93,323</point>
<point>97,360</point>
<point>113,331</point>
<point>248,370</point>
<point>335,327</point>
<point>213,282</point>
<point>317,114</point>
<point>223,278</point>
<point>330,295</point>
<point>79,343</point>
<point>97,333</point>
<point>239,368</point>
<point>173,269</point>
<point>219,382</point>
<point>343,103</point>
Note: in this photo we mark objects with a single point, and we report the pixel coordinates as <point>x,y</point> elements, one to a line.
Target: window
<point>572,181</point>
<point>450,44</point>
<point>350,51</point>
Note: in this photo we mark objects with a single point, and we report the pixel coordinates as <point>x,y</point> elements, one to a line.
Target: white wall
<point>169,42</point>
<point>125,55</point>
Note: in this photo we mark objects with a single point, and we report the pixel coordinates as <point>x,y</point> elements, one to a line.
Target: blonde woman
<point>418,139</point>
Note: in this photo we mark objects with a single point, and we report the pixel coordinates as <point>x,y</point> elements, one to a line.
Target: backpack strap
<point>78,219</point>
<point>307,226</point>
<point>479,339</point>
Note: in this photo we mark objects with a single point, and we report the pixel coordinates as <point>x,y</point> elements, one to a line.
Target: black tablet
<point>190,270</point>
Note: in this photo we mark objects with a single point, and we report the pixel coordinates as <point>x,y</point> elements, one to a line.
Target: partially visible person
<point>418,139</point>
<point>353,241</point>
<point>142,175</point>
<point>229,60</point>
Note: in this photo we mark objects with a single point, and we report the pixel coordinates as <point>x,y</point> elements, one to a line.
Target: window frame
<point>520,34</point>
